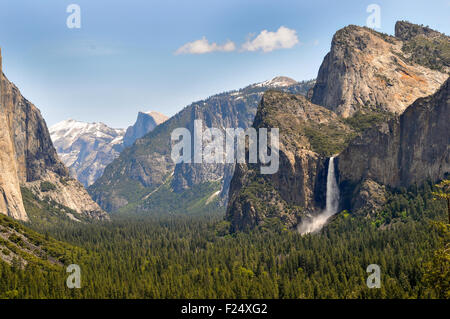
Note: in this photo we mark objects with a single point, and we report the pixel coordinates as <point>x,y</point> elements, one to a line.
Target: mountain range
<point>379,105</point>
<point>87,148</point>
<point>144,177</point>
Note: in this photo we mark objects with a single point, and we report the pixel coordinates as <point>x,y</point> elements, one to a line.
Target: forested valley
<point>156,256</point>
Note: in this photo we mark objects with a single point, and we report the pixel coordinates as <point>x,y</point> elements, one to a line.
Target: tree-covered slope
<point>195,257</point>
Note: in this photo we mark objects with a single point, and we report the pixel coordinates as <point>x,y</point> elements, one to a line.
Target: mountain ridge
<point>147,164</point>
<point>87,148</point>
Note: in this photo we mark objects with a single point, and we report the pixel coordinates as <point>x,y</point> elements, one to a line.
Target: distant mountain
<point>146,122</point>
<point>277,82</point>
<point>29,162</point>
<point>86,148</point>
<point>144,176</point>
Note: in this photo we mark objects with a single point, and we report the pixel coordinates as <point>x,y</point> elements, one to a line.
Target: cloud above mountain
<point>266,41</point>
<point>203,46</point>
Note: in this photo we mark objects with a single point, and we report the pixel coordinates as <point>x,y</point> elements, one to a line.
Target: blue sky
<point>123,58</point>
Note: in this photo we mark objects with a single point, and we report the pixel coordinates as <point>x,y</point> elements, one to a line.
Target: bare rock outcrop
<point>28,157</point>
<point>404,77</point>
<point>369,71</point>
<point>146,165</point>
<point>145,123</point>
<point>308,135</point>
<point>410,149</point>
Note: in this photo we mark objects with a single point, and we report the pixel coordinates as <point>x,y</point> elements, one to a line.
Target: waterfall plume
<point>315,223</point>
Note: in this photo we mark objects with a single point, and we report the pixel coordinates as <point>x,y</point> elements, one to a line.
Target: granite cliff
<point>308,134</point>
<point>408,150</point>
<point>369,71</point>
<point>145,122</point>
<point>28,159</point>
<point>145,169</point>
<point>365,84</point>
<point>86,148</point>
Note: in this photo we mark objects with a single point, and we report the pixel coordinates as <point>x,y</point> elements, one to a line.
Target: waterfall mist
<point>315,223</point>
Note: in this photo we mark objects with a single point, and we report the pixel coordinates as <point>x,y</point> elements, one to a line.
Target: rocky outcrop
<point>10,196</point>
<point>368,71</point>
<point>410,149</point>
<point>147,164</point>
<point>368,197</point>
<point>146,122</point>
<point>11,203</point>
<point>29,157</point>
<point>406,31</point>
<point>367,74</point>
<point>86,148</point>
<point>424,46</point>
<point>297,186</point>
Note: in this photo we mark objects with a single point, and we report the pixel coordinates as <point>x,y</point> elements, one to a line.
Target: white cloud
<point>203,46</point>
<point>283,38</point>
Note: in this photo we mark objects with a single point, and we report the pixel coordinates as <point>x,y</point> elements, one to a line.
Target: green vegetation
<point>433,53</point>
<point>198,199</point>
<point>443,193</point>
<point>327,139</point>
<point>362,121</point>
<point>194,257</point>
<point>437,270</point>
<point>45,213</point>
<point>47,186</point>
<point>36,262</point>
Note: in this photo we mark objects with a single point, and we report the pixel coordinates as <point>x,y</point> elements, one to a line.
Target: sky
<point>142,55</point>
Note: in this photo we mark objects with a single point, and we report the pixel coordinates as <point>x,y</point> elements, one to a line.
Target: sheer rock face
<point>296,188</point>
<point>366,70</point>
<point>28,158</point>
<point>146,122</point>
<point>10,196</point>
<point>411,149</point>
<point>147,164</point>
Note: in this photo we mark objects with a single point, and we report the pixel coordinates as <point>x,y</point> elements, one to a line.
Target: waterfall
<point>332,203</point>
<point>315,223</point>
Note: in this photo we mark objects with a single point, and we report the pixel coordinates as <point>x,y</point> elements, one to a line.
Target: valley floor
<point>195,257</point>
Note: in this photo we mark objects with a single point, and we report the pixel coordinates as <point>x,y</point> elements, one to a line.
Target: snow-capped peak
<point>279,81</point>
<point>68,131</point>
